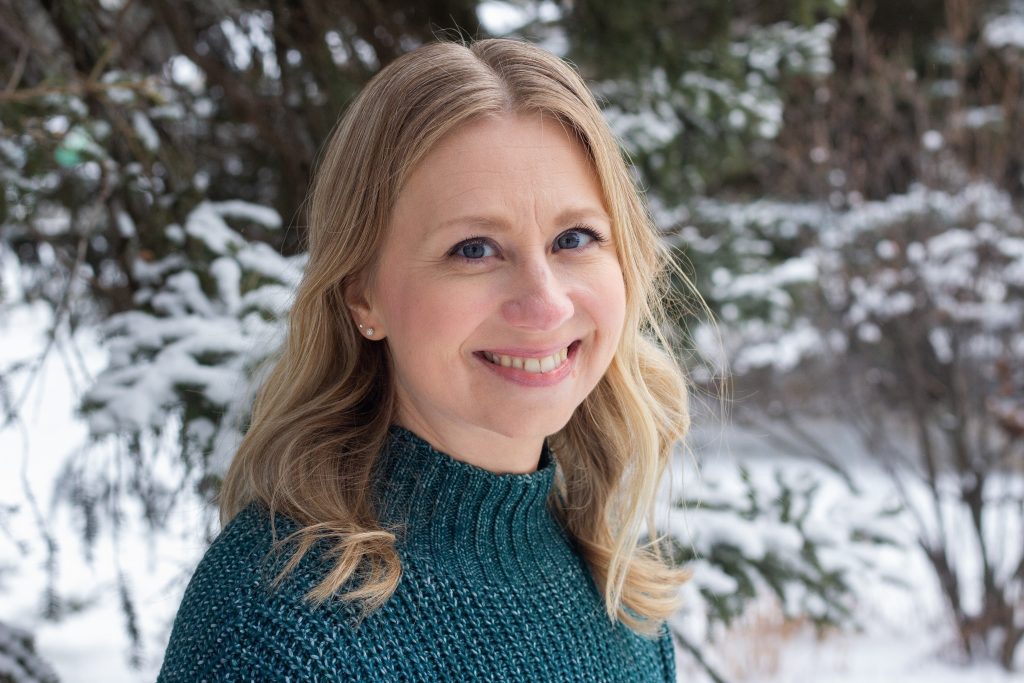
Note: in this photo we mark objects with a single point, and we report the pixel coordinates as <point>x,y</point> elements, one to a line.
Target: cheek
<point>609,305</point>
<point>432,318</point>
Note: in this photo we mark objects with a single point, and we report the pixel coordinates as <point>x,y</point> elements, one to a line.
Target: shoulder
<point>231,624</point>
<point>668,652</point>
<point>236,568</point>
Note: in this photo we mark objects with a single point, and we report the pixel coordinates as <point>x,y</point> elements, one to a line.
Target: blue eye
<point>472,250</point>
<point>479,248</point>
<point>577,237</point>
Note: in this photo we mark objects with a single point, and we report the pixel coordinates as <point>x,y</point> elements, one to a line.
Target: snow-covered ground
<point>903,635</point>
<point>906,637</point>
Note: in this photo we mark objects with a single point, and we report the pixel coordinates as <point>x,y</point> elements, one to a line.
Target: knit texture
<point>491,590</point>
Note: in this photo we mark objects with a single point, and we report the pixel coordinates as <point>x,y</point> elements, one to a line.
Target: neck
<point>484,449</point>
<point>466,519</point>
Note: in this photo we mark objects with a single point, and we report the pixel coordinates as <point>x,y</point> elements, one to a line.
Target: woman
<point>448,470</point>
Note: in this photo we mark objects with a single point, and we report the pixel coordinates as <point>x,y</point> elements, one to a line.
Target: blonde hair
<point>322,415</point>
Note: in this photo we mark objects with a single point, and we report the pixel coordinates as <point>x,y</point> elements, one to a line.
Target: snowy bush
<point>207,316</point>
<point>18,660</point>
<point>690,126</point>
<point>797,532</point>
<point>957,258</point>
<point>914,307</point>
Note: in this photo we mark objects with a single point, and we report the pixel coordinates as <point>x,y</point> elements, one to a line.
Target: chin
<point>527,428</point>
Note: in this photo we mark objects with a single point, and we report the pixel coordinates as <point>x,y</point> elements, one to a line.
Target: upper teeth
<point>546,364</point>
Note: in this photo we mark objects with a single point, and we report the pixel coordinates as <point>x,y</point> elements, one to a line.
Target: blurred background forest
<point>844,180</point>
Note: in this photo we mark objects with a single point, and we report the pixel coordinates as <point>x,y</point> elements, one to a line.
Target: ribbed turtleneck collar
<point>466,518</point>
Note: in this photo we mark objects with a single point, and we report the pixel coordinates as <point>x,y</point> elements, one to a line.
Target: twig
<point>74,88</point>
<point>49,541</point>
<point>59,313</point>
<point>101,63</point>
<point>19,69</point>
<point>816,449</point>
<point>695,651</point>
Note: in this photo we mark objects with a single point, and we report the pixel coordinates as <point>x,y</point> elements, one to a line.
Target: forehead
<point>509,164</point>
<point>525,131</point>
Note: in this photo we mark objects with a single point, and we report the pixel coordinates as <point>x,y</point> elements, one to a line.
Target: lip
<point>535,379</point>
<point>528,353</point>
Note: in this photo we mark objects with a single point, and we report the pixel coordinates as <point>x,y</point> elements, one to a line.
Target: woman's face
<point>498,290</point>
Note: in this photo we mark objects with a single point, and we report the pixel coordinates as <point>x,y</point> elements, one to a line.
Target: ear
<point>359,302</point>
<point>356,298</point>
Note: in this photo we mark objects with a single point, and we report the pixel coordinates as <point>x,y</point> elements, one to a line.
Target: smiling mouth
<point>532,365</point>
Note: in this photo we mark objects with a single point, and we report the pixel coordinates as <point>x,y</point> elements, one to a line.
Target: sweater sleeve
<point>668,653</point>
<point>230,628</point>
<point>237,655</point>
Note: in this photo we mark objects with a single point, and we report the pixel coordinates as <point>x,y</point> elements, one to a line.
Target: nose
<point>538,299</point>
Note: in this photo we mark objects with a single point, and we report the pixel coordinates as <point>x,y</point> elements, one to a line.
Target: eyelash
<point>587,230</point>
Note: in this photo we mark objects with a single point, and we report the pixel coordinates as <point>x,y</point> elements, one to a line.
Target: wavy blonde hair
<point>322,415</point>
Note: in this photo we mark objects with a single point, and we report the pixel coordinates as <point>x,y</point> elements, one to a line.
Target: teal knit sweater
<point>491,590</point>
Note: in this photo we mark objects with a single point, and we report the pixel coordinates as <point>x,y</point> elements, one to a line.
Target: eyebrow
<point>498,223</point>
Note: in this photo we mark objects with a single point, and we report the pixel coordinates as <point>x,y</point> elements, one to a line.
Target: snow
<point>754,538</point>
<point>781,352</point>
<point>503,18</point>
<point>241,55</point>
<point>183,294</point>
<point>761,105</point>
<point>892,653</point>
<point>125,224</point>
<point>14,153</point>
<point>261,215</point>
<point>259,257</point>
<point>648,127</point>
<point>273,299</point>
<point>192,339</point>
<point>794,270</point>
<point>208,225</point>
<point>86,645</point>
<point>962,273</point>
<point>904,635</point>
<point>18,661</point>
<point>900,633</point>
<point>185,73</point>
<point>979,117</point>
<point>144,129</point>
<point>336,46</point>
<point>1006,30</point>
<point>644,113</point>
<point>709,577</point>
<point>136,395</point>
<point>53,220</point>
<point>784,46</point>
<point>207,222</point>
<point>932,140</point>
<point>228,274</point>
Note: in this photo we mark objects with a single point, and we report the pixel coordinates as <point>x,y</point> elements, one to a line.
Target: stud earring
<point>368,331</point>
